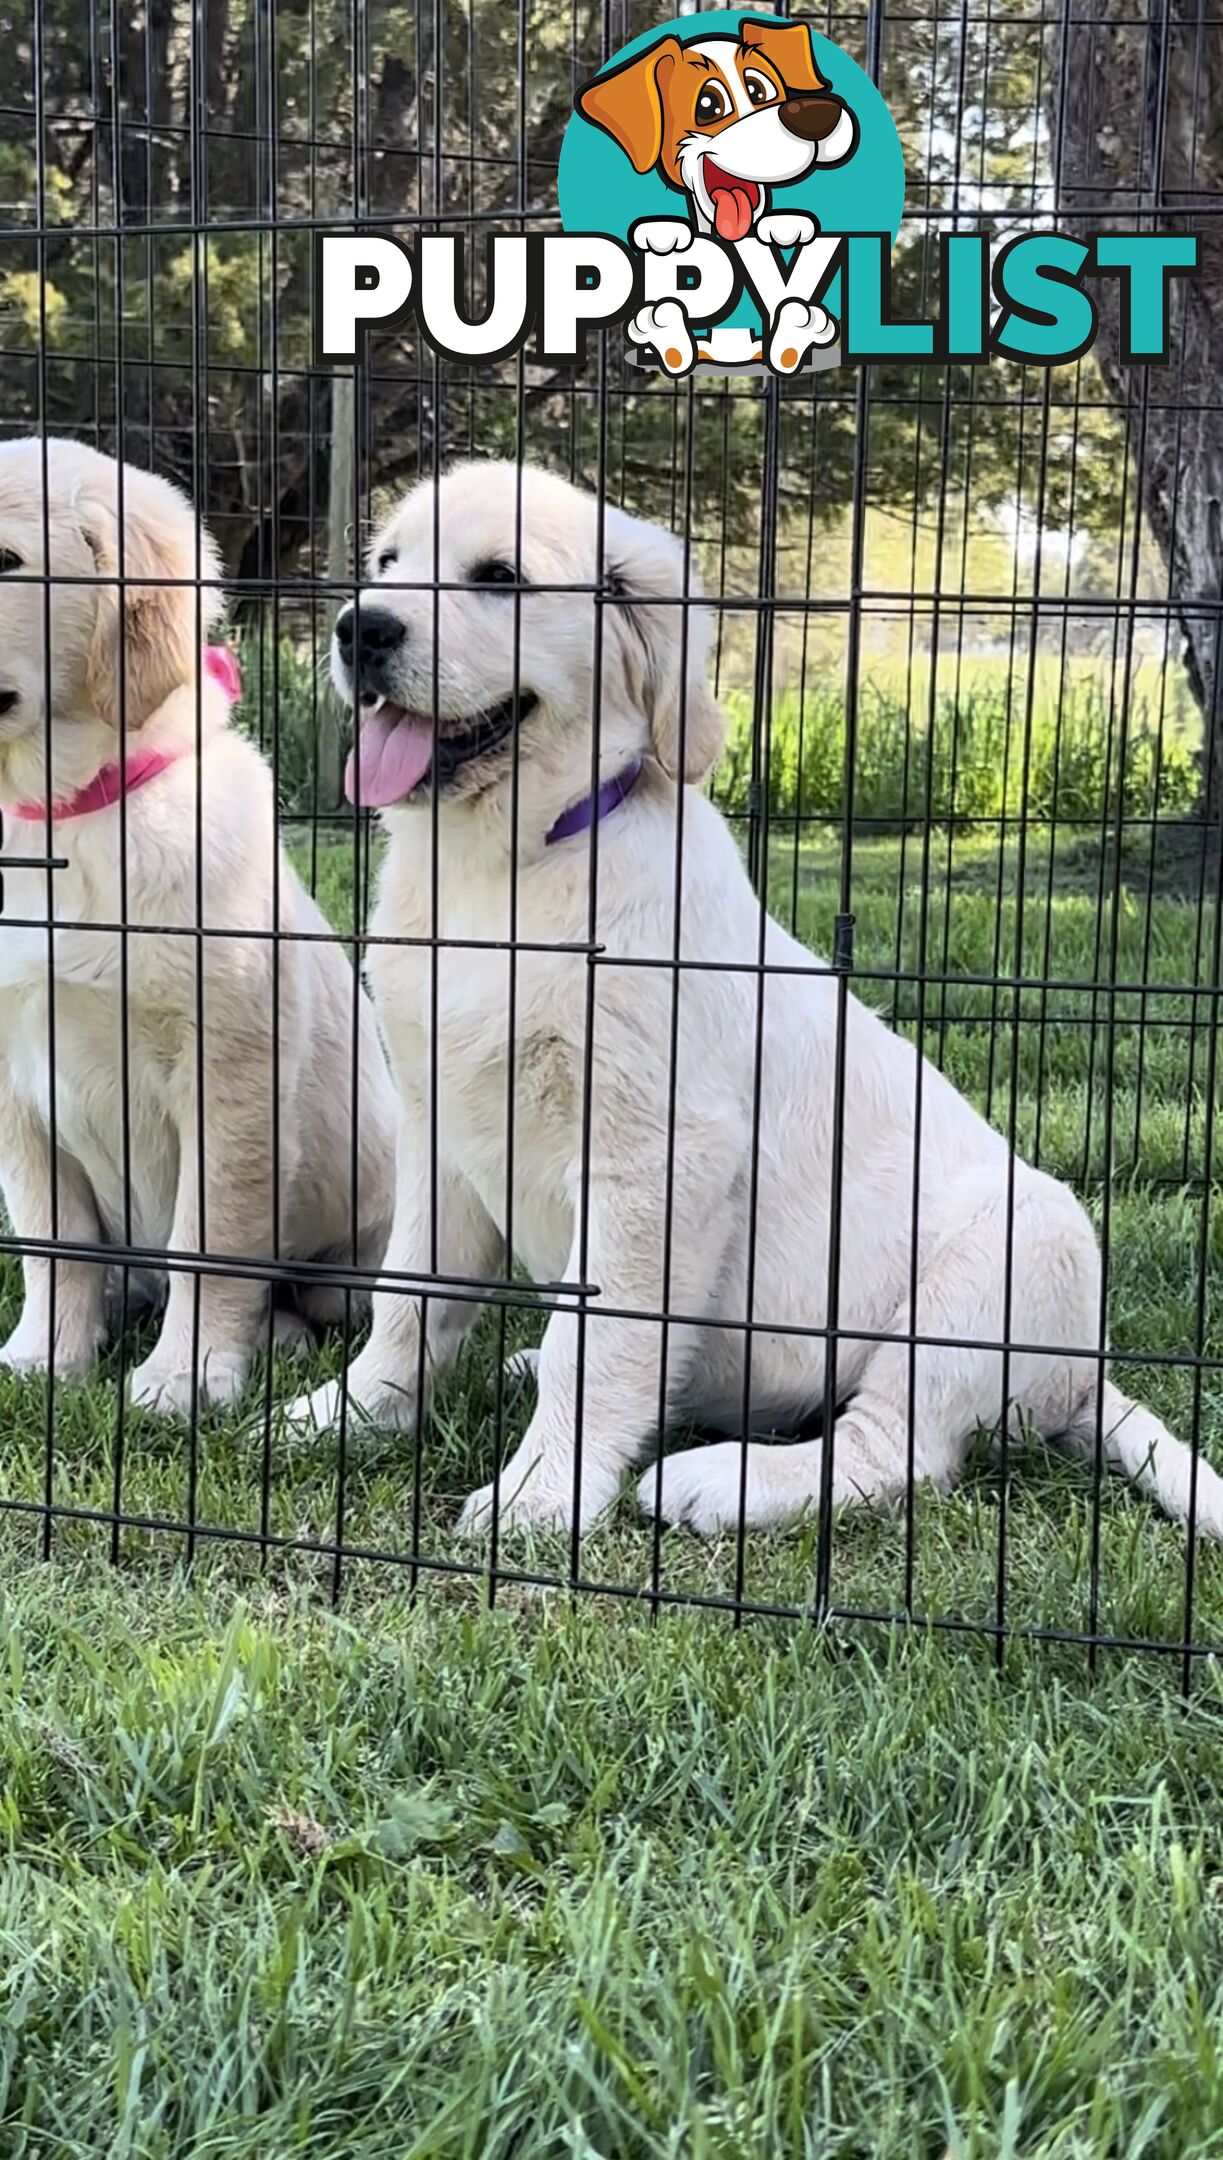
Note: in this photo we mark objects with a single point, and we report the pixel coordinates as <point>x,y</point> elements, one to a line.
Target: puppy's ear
<point>628,103</point>
<point>664,642</point>
<point>788,45</point>
<point>132,671</point>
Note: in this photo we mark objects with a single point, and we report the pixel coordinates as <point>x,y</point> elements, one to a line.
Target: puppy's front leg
<point>238,1219</point>
<point>447,1230</point>
<point>63,1318</point>
<point>622,1374</point>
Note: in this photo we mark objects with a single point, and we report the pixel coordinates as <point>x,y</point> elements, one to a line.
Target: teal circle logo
<point>741,127</point>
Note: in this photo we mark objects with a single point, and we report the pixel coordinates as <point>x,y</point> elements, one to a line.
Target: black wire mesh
<point>968,624</point>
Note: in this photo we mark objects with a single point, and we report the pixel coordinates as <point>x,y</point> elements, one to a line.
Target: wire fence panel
<point>963,625</point>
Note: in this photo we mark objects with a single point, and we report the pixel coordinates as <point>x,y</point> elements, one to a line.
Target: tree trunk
<point>1136,117</point>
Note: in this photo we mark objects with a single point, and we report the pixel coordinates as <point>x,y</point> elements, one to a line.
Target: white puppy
<point>112,1094</point>
<point>592,1176</point>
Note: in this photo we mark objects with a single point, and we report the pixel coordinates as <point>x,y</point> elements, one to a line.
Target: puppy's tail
<point>1137,1446</point>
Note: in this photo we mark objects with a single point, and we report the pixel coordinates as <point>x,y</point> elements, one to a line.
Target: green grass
<point>418,1883</point>
<point>557,1879</point>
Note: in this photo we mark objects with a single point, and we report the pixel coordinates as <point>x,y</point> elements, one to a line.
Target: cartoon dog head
<point>723,118</point>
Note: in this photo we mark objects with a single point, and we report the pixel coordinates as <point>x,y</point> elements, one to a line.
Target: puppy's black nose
<point>375,630</point>
<point>810,115</point>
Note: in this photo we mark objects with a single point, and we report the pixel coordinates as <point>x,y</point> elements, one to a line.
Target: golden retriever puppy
<point>666,1118</point>
<point>160,1089</point>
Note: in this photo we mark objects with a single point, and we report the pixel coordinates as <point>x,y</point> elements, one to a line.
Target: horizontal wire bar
<point>599,956</point>
<point>945,599</point>
<point>1183,202</point>
<point>564,1298</point>
<point>796,391</point>
<point>594,1586</point>
<point>330,1274</point>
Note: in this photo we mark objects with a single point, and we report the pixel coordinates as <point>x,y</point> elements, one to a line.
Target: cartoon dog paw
<point>798,328</point>
<point>665,327</point>
<point>661,235</point>
<point>786,228</point>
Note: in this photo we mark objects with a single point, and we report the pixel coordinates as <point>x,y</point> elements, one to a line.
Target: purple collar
<point>593,807</point>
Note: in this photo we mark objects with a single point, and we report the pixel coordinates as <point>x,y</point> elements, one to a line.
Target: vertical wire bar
<point>198,77</point>
<point>125,1047</point>
<point>1212,725</point>
<point>1203,1282</point>
<point>853,656</point>
<point>273,204</point>
<point>804,650</point>
<point>312,504</point>
<point>1008,1282</point>
<point>1114,940</point>
<point>436,1171</point>
<point>902,863</point>
<point>40,213</point>
<point>953,767</point>
<point>95,204</point>
<point>758,835</point>
<point>1166,661</point>
<point>511,1022</point>
<point>592,922</point>
<point>360,134</point>
<point>677,903</point>
<point>923,924</point>
<point>1063,677</point>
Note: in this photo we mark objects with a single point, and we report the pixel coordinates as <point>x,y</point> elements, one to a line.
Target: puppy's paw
<point>800,327</point>
<point>167,1386</point>
<point>786,228</point>
<point>521,1366</point>
<point>533,1495</point>
<point>292,1334</point>
<point>705,1487</point>
<point>28,1350</point>
<point>369,1403</point>
<point>661,236</point>
<point>665,327</point>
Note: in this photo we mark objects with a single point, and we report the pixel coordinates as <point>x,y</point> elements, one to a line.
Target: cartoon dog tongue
<point>390,757</point>
<point>732,212</point>
<point>733,201</point>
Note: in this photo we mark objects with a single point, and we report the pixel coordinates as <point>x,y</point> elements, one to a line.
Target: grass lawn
<point>414,1877</point>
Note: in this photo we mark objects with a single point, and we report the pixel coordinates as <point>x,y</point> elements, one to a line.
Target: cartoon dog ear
<point>132,671</point>
<point>664,642</point>
<point>628,103</point>
<point>788,45</point>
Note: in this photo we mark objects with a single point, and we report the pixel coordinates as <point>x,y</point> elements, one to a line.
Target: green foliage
<point>290,710</point>
<point>974,759</point>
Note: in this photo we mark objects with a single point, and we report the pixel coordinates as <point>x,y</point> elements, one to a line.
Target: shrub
<point>969,761</point>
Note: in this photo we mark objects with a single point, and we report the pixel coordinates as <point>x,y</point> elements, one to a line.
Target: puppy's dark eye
<point>712,104</point>
<point>8,561</point>
<point>760,91</point>
<point>386,559</point>
<point>495,573</point>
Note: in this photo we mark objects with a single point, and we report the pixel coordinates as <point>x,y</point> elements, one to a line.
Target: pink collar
<point>141,766</point>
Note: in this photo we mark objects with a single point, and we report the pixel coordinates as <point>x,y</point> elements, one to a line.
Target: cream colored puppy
<point>671,1088</point>
<point>128,1062</point>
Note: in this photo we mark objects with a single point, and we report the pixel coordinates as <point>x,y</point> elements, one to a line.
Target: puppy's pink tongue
<point>390,757</point>
<point>732,213</point>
